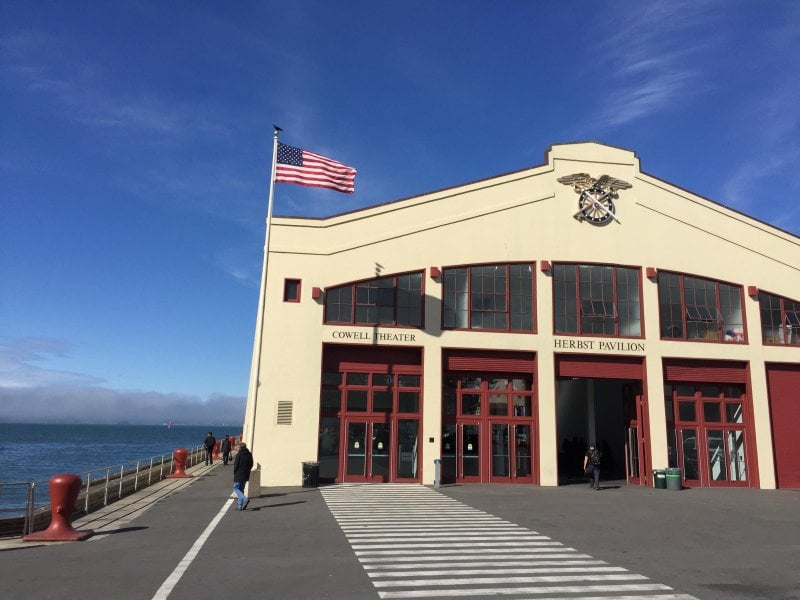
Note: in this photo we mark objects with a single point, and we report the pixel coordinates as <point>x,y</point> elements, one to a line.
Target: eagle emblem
<point>595,196</point>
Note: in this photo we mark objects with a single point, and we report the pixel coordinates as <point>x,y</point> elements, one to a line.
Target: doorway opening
<point>608,412</point>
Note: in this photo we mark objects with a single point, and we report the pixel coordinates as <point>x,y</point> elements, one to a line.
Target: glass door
<point>501,453</point>
<point>523,453</point>
<point>469,453</point>
<point>356,457</point>
<point>635,458</point>
<point>368,456</point>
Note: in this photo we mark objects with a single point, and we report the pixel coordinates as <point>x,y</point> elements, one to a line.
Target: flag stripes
<point>295,165</point>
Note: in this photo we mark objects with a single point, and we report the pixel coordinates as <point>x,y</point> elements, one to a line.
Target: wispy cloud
<point>97,405</point>
<point>42,65</point>
<point>20,361</point>
<point>648,60</point>
<point>32,393</point>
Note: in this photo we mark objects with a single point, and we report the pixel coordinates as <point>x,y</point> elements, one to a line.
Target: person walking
<point>591,465</point>
<point>225,448</point>
<point>209,444</point>
<point>242,465</point>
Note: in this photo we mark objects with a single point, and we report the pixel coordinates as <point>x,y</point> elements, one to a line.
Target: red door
<point>784,409</point>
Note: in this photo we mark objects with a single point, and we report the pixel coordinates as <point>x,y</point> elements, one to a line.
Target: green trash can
<point>673,477</point>
<point>660,479</point>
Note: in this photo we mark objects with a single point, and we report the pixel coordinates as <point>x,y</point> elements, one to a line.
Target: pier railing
<point>25,506</point>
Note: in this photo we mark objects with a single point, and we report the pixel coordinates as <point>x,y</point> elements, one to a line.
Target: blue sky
<point>137,138</point>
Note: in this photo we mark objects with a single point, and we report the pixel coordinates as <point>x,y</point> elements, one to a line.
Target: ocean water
<point>35,452</point>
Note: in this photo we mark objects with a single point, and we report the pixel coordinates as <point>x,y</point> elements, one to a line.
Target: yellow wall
<point>522,216</point>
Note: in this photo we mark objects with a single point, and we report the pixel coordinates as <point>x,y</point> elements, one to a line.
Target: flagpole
<point>255,367</point>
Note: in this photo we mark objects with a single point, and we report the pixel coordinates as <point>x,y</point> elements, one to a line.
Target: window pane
<point>339,305</point>
<point>498,404</point>
<point>382,401</point>
<point>712,413</point>
<point>520,384</point>
<point>710,391</point>
<point>358,379</point>
<point>522,406</point>
<point>409,402</point>
<point>407,448</point>
<point>733,412</point>
<point>730,303</point>
<point>386,379</point>
<point>732,391</point>
<point>716,456</point>
<point>686,411</point>
<point>470,383</point>
<point>470,404</point>
<point>736,452</point>
<point>357,400</point>
<point>565,295</point>
<point>689,449</point>
<point>408,380</point>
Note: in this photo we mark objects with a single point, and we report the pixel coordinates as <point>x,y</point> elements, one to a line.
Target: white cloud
<point>96,405</point>
<point>30,393</point>
<point>18,368</point>
<point>646,66</point>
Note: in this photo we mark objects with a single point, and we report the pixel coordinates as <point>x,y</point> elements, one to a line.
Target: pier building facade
<point>486,332</point>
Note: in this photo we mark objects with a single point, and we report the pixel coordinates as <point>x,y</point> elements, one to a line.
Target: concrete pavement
<point>713,544</point>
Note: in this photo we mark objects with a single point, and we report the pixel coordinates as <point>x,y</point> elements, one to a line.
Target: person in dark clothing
<point>242,465</point>
<point>591,465</point>
<point>225,448</point>
<point>209,444</point>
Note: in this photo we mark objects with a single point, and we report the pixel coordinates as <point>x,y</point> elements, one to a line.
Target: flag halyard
<point>295,165</point>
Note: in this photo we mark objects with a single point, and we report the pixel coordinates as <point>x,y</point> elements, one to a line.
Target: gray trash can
<point>674,479</point>
<point>310,474</point>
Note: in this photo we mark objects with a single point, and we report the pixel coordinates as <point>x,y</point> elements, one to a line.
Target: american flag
<point>307,168</point>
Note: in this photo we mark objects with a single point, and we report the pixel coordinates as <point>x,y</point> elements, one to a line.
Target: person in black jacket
<point>591,465</point>
<point>225,448</point>
<point>242,465</point>
<point>209,444</point>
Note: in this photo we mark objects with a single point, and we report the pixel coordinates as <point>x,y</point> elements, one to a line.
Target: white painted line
<point>422,572</point>
<point>460,552</point>
<point>507,580</point>
<point>483,559</point>
<point>571,589</point>
<point>450,545</point>
<point>464,539</point>
<point>171,581</point>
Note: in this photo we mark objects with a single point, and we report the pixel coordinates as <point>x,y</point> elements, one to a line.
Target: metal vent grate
<point>284,415</point>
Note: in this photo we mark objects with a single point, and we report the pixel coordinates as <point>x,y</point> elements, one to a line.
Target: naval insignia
<point>595,196</point>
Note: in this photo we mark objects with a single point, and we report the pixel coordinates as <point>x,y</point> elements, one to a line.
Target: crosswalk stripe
<point>400,534</point>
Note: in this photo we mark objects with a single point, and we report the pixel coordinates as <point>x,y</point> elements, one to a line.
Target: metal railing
<point>25,506</point>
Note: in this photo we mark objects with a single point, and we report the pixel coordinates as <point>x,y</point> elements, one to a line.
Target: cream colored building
<point>500,325</point>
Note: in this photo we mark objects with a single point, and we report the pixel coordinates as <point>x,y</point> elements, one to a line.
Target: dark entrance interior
<point>599,410</point>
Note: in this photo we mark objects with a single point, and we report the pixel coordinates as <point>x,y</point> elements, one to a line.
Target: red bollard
<point>64,490</point>
<point>215,455</point>
<point>179,472</point>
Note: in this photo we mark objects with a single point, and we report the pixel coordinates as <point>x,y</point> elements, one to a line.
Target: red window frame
<point>492,296</point>
<point>786,329</point>
<point>698,428</point>
<point>350,291</point>
<point>594,307</point>
<point>291,290</point>
<point>699,311</point>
